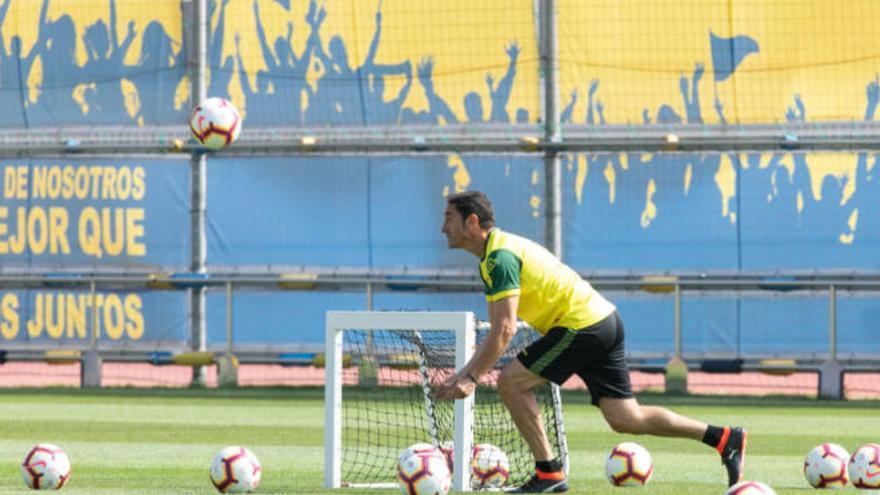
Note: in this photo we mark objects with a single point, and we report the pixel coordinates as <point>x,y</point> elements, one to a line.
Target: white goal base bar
<point>369,485</point>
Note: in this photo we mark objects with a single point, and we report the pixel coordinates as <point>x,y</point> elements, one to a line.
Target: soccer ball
<point>236,470</point>
<point>45,467</point>
<point>416,448</point>
<point>629,464</point>
<point>489,467</point>
<point>864,466</point>
<point>750,488</point>
<point>825,466</point>
<point>424,473</point>
<point>215,123</point>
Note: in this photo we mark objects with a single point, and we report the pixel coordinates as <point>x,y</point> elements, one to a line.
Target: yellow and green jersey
<point>550,293</point>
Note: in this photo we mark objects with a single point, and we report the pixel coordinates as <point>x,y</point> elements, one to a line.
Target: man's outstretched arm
<point>502,318</point>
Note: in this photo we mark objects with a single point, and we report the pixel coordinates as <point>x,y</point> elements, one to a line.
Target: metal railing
<point>830,368</point>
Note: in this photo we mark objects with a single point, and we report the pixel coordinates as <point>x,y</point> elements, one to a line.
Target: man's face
<point>453,227</point>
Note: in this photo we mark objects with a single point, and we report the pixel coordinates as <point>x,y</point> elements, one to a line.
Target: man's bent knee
<point>622,415</point>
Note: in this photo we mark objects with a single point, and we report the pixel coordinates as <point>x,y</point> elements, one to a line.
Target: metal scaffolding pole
<point>549,53</point>
<point>198,190</point>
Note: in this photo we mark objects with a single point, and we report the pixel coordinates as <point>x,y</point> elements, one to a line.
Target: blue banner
<point>720,212</point>
<point>377,212</point>
<point>55,318</point>
<point>94,213</point>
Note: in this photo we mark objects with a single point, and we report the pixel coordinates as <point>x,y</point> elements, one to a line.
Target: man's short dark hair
<point>475,202</point>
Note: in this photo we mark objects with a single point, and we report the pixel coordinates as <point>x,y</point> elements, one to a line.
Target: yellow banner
<point>643,54</point>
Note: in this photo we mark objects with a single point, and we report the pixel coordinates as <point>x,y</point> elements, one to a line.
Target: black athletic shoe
<point>733,454</point>
<point>538,485</point>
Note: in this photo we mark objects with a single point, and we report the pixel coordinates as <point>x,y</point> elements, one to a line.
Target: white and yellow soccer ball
<point>45,467</point>
<point>750,488</point>
<point>215,123</point>
<point>236,470</point>
<point>424,473</point>
<point>825,466</point>
<point>629,464</point>
<point>490,467</point>
<point>864,467</point>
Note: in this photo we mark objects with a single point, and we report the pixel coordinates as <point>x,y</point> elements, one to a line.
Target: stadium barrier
<point>228,355</point>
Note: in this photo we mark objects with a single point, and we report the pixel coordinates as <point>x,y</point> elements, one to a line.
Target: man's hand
<point>456,387</point>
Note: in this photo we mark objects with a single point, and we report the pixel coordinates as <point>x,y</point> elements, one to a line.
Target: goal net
<point>382,368</point>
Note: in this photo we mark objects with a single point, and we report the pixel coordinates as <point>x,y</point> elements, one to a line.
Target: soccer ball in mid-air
<point>629,464</point>
<point>750,488</point>
<point>236,470</point>
<point>489,467</point>
<point>825,466</point>
<point>864,467</point>
<point>424,473</point>
<point>215,123</point>
<point>45,467</point>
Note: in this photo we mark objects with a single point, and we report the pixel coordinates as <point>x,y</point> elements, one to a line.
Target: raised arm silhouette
<point>104,70</point>
<point>372,80</point>
<point>691,96</point>
<point>61,75</point>
<point>293,69</point>
<point>500,94</point>
<point>221,69</point>
<point>568,112</point>
<point>14,72</point>
<point>437,106</point>
<point>158,74</point>
<point>591,93</point>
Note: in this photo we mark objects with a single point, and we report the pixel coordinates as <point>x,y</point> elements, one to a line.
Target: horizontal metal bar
<point>186,280</point>
<point>460,138</point>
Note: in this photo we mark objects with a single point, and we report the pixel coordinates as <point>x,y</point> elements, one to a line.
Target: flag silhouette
<point>728,53</point>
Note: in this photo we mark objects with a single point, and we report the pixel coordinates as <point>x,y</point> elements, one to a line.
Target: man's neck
<point>478,247</point>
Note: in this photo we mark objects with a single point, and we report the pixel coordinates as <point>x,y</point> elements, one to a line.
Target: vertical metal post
<point>831,371</point>
<point>198,189</point>
<point>93,290</point>
<point>677,326</point>
<point>198,57</point>
<point>227,365</point>
<point>676,369</point>
<point>549,54</point>
<point>832,323</point>
<point>229,350</point>
<point>90,366</point>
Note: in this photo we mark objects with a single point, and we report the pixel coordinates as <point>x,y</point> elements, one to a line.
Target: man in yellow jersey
<point>581,334</point>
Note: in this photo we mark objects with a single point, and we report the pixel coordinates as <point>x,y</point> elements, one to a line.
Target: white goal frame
<point>464,326</point>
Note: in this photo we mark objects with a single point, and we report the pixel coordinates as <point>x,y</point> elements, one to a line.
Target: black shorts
<point>594,353</point>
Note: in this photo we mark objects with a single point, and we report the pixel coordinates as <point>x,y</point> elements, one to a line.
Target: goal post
<point>461,323</point>
<point>381,370</point>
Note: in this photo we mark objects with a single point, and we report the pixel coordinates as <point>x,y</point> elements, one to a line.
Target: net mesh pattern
<point>387,405</point>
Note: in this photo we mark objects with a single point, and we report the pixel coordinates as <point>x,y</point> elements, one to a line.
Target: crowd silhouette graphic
<point>643,196</point>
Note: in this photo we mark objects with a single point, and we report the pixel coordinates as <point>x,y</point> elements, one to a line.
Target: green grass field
<point>161,441</point>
